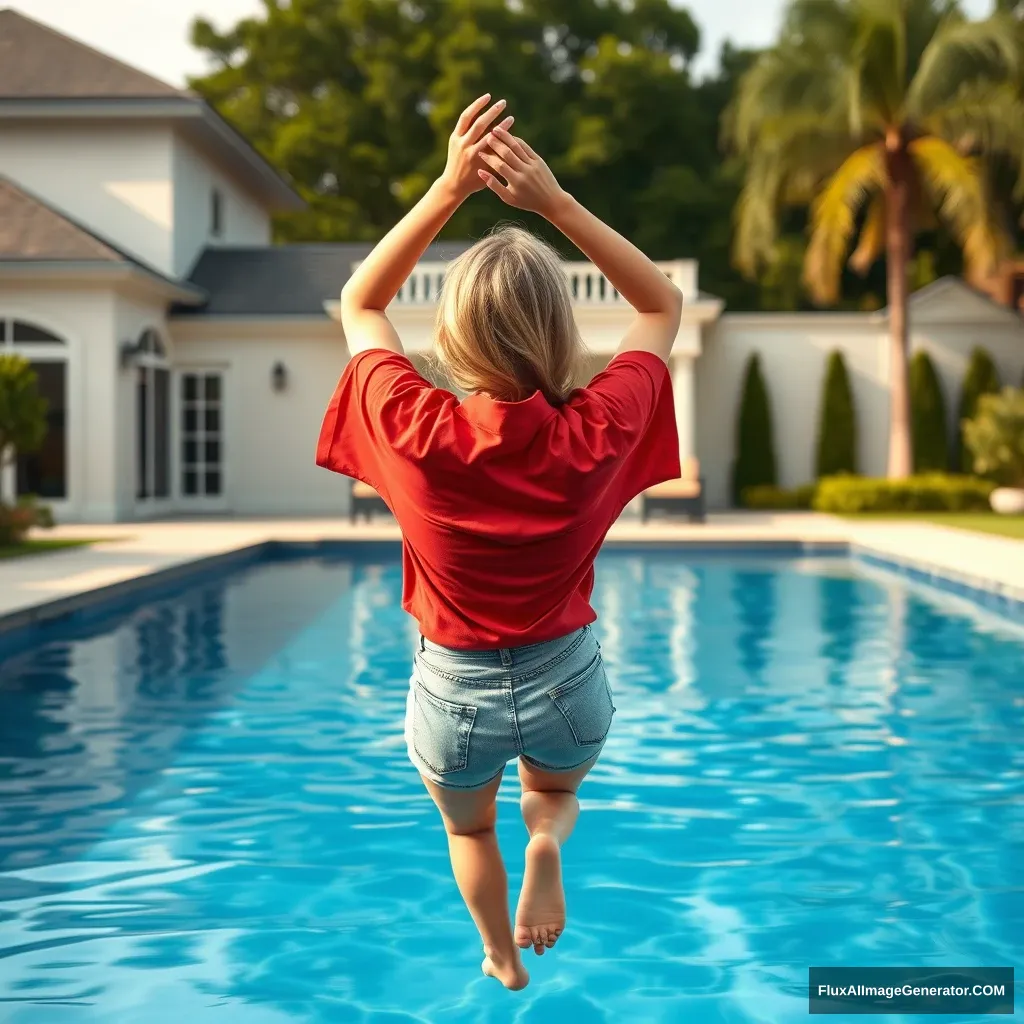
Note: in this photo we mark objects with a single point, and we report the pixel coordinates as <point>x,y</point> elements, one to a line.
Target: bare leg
<point>469,817</point>
<point>550,810</point>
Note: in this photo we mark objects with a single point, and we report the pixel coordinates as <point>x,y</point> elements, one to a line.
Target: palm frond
<point>756,217</point>
<point>959,189</point>
<point>871,244</point>
<point>983,119</point>
<point>964,55</point>
<point>834,219</point>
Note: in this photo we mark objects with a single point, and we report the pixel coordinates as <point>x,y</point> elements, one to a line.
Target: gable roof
<point>284,280</point>
<point>37,62</point>
<point>952,300</point>
<point>33,232</point>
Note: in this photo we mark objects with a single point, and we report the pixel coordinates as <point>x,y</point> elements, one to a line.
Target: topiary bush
<point>22,429</point>
<point>995,437</point>
<point>755,446</point>
<point>934,492</point>
<point>837,422</point>
<point>981,378</point>
<point>927,417</point>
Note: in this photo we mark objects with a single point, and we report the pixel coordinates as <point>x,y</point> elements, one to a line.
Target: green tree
<point>877,114</point>
<point>755,446</point>
<point>928,417</point>
<point>981,378</point>
<point>22,411</point>
<point>837,427</point>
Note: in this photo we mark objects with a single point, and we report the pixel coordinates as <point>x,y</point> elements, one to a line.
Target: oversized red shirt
<point>502,505</point>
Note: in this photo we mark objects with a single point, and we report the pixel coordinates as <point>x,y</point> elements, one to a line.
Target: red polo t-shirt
<point>502,505</point>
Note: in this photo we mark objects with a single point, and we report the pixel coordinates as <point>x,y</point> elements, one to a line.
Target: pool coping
<point>988,593</point>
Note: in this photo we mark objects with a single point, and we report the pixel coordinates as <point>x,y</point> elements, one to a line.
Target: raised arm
<point>530,185</point>
<point>377,279</point>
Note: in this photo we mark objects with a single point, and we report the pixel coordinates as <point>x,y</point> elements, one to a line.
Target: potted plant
<point>22,429</point>
<point>995,437</point>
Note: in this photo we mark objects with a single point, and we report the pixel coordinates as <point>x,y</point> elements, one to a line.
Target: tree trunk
<point>897,245</point>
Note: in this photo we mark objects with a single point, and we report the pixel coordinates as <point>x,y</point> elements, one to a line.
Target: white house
<point>188,361</point>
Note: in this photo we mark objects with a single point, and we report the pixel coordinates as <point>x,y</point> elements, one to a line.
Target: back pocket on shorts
<point>440,730</point>
<point>586,703</point>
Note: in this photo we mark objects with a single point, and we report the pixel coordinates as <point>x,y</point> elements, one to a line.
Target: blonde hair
<point>504,321</point>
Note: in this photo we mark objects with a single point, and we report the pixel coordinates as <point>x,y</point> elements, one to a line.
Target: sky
<point>153,36</point>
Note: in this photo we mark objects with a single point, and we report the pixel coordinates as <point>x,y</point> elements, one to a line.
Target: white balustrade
<point>587,285</point>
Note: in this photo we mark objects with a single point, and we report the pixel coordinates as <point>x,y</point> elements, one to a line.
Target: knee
<point>468,829</point>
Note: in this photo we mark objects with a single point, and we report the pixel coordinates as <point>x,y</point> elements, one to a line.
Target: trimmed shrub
<point>996,436</point>
<point>779,499</point>
<point>934,492</point>
<point>927,417</point>
<point>17,520</point>
<point>837,424</point>
<point>755,447</point>
<point>981,378</point>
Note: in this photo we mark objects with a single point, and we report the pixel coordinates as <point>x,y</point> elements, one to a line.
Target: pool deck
<point>46,585</point>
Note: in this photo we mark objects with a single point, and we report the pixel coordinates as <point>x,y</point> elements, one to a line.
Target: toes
<point>523,938</point>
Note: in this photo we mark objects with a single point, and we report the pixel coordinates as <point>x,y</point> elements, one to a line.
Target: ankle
<point>503,956</point>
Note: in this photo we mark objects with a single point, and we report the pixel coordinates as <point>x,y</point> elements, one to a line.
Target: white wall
<point>84,317</point>
<point>243,220</point>
<point>114,179</point>
<point>794,350</point>
<point>270,437</point>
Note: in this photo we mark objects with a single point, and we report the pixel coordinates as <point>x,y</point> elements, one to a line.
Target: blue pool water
<point>206,813</point>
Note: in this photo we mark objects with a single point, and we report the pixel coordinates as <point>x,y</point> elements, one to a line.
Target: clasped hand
<point>480,156</point>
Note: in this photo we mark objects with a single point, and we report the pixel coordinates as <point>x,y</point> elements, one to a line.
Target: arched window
<point>43,472</point>
<point>152,417</point>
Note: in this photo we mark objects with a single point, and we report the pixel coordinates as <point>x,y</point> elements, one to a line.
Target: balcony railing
<point>587,285</point>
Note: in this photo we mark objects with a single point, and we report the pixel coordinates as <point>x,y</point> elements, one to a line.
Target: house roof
<point>31,230</point>
<point>45,74</point>
<point>36,62</point>
<point>283,280</point>
<point>34,232</point>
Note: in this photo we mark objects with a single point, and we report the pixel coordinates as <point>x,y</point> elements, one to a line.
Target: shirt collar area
<point>507,417</point>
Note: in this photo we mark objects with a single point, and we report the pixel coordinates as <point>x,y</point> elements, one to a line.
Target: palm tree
<point>879,114</point>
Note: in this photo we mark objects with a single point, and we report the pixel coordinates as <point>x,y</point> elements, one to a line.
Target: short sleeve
<point>381,414</point>
<point>631,409</point>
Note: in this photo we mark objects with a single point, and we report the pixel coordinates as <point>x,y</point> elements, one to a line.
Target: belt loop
<point>423,643</point>
<point>506,656</point>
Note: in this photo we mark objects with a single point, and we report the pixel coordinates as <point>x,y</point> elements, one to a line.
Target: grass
<point>980,522</point>
<point>38,547</point>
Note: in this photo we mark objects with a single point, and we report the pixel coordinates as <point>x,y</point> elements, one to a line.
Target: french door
<point>201,477</point>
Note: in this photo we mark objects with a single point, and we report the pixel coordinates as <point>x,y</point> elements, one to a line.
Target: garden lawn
<point>982,522</point>
<point>38,547</point>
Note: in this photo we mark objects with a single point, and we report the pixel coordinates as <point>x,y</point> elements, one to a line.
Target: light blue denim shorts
<point>470,712</point>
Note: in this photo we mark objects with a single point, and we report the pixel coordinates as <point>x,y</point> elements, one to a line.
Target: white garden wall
<point>947,320</point>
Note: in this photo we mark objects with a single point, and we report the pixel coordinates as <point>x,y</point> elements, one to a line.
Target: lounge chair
<point>683,495</point>
<point>366,500</point>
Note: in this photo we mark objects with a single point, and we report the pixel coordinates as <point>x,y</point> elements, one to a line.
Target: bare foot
<point>540,916</point>
<point>509,970</point>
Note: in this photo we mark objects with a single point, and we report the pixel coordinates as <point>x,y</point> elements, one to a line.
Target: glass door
<point>201,440</point>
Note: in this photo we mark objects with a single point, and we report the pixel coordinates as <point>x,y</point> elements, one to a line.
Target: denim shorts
<point>470,712</point>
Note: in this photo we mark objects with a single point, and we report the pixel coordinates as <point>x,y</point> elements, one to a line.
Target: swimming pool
<point>206,812</point>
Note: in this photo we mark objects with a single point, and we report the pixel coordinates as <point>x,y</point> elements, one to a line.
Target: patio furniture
<point>683,495</point>
<point>366,501</point>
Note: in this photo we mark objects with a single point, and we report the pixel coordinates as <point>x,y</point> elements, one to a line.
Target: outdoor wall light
<point>130,351</point>
<point>279,377</point>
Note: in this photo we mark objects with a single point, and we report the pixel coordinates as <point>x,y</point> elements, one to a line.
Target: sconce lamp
<point>129,351</point>
<point>279,377</point>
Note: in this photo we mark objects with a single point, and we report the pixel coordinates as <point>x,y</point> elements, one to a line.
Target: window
<point>152,419</point>
<point>202,429</point>
<point>216,213</point>
<point>43,472</point>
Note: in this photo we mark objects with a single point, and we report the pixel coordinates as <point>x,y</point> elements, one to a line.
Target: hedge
<point>837,425</point>
<point>779,499</point>
<point>934,492</point>
<point>755,447</point>
<point>981,378</point>
<point>927,417</point>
